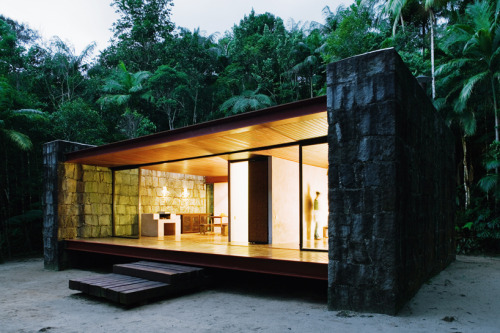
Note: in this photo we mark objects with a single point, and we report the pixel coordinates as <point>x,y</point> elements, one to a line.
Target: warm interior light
<point>164,191</point>
<point>185,193</point>
<point>239,201</point>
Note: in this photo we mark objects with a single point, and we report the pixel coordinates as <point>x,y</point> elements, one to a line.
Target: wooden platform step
<point>155,271</point>
<point>136,282</point>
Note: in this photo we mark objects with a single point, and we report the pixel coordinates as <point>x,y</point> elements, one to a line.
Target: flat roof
<point>204,148</point>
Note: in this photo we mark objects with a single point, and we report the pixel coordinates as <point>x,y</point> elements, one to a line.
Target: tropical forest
<point>156,76</point>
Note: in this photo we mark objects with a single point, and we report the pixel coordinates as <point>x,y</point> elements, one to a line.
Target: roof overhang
<point>217,141</point>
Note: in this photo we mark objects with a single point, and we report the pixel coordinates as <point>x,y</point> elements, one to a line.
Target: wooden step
<point>168,273</point>
<point>121,289</point>
<point>136,282</point>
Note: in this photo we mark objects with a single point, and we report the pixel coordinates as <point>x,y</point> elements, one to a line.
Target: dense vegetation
<point>155,76</point>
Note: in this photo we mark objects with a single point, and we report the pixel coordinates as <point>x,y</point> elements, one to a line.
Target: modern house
<point>355,187</point>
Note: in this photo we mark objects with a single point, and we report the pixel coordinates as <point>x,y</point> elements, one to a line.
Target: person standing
<point>316,215</point>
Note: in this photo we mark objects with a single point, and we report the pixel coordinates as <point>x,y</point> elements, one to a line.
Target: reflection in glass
<point>315,197</point>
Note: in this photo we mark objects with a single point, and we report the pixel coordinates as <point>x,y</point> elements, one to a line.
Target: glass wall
<point>126,203</point>
<point>315,197</point>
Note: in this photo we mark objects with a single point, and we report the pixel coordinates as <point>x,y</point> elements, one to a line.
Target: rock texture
<point>391,184</point>
<point>53,155</point>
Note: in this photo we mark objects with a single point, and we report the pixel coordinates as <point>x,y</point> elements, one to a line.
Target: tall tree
<point>196,56</point>
<point>308,65</point>
<point>125,91</point>
<point>139,35</point>
<point>168,88</point>
<point>479,43</point>
<point>354,31</point>
<point>396,7</point>
<point>253,53</point>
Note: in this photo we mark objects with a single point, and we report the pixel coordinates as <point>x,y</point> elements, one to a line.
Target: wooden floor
<point>213,250</point>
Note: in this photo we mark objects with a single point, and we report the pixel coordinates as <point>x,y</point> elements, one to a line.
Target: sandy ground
<point>32,299</point>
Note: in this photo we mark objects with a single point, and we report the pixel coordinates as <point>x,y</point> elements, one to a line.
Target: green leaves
<point>77,121</point>
<point>21,140</point>
<point>122,86</point>
<point>491,181</point>
<point>355,32</point>
<point>247,101</point>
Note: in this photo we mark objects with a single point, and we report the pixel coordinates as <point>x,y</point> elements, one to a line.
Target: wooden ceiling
<point>191,150</point>
<point>216,166</point>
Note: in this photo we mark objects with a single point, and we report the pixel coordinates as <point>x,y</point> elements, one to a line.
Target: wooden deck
<point>213,251</point>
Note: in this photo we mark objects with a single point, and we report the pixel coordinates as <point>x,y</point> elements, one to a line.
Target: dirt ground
<point>463,298</point>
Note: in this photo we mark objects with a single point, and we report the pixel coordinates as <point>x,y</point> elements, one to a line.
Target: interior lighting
<point>164,191</point>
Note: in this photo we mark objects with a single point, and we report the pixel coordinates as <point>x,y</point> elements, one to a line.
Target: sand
<point>463,298</point>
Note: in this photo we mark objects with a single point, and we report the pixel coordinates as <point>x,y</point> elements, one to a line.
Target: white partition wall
<point>238,183</point>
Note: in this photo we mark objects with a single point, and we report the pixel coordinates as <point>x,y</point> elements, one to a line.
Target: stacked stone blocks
<point>54,199</point>
<point>390,184</point>
<point>126,202</point>
<point>153,199</point>
<point>84,201</point>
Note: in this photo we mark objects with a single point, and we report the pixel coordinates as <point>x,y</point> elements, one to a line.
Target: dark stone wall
<point>54,153</point>
<point>391,184</point>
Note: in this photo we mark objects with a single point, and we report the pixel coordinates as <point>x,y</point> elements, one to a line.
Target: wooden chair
<point>204,227</point>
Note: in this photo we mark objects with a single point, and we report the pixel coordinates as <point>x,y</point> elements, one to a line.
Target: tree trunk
<point>311,85</point>
<point>432,55</point>
<point>495,110</point>
<point>466,173</point>
<point>195,106</point>
<point>7,205</point>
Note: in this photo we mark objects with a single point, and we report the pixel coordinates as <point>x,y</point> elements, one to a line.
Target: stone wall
<point>153,200</point>
<point>84,201</point>
<point>126,202</point>
<point>53,155</point>
<point>391,184</point>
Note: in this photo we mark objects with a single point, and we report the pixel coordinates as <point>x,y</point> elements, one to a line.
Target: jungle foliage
<point>155,76</point>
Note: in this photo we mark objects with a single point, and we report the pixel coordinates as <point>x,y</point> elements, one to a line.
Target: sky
<point>81,22</point>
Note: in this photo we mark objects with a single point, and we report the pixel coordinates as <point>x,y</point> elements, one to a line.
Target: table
<point>175,219</point>
<point>211,224</point>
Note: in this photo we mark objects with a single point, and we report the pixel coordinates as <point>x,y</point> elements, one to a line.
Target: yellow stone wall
<point>152,199</point>
<point>86,193</point>
<point>84,197</point>
<point>126,202</point>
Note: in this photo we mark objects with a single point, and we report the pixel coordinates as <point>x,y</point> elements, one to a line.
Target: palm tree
<point>121,87</point>
<point>466,119</point>
<point>248,100</point>
<point>309,64</point>
<point>395,8</point>
<point>21,140</point>
<point>480,54</point>
<point>64,70</point>
<point>475,65</point>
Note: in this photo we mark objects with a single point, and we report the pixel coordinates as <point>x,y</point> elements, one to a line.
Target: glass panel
<point>210,198</point>
<point>315,197</point>
<point>126,203</point>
